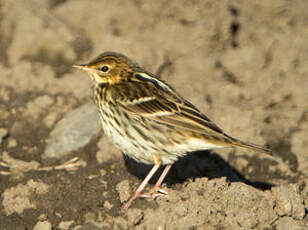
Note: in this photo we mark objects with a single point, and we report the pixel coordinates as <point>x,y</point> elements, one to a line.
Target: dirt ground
<point>243,63</point>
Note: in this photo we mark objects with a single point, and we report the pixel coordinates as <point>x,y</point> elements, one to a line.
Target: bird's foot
<point>154,192</point>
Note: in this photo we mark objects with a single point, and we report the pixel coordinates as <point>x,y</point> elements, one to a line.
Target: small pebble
<point>65,225</point>
<point>288,201</point>
<point>108,205</point>
<point>3,133</point>
<point>135,216</point>
<point>123,189</point>
<point>12,143</point>
<point>42,225</point>
<point>287,223</point>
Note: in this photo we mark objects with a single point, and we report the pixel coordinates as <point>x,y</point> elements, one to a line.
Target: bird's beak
<point>85,68</point>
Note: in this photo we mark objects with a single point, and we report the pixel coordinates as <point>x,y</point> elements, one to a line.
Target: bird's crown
<point>109,67</point>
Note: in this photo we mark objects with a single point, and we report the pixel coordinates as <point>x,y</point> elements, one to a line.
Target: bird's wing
<point>154,99</point>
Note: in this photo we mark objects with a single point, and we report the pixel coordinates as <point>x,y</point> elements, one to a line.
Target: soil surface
<point>243,63</point>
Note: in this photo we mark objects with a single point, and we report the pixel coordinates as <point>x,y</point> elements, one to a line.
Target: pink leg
<point>156,188</point>
<point>144,183</point>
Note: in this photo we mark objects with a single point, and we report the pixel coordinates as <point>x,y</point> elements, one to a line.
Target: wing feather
<point>164,105</point>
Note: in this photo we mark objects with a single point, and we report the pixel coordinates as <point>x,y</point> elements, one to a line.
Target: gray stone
<point>74,131</point>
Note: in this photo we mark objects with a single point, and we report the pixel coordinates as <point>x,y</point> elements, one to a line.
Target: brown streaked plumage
<point>148,120</point>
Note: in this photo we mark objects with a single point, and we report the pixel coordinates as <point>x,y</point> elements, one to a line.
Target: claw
<point>155,192</point>
<point>152,196</point>
<point>162,191</point>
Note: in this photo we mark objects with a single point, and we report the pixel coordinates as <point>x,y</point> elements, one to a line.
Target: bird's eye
<point>105,68</point>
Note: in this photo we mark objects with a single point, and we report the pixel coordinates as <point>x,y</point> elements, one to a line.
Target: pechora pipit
<point>148,120</point>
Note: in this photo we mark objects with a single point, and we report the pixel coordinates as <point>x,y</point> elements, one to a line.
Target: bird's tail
<point>246,145</point>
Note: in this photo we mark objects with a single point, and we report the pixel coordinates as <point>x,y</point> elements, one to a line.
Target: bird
<point>148,120</point>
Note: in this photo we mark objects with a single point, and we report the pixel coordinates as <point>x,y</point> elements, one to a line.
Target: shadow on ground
<point>194,165</point>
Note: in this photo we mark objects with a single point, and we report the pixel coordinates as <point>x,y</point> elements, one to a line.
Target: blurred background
<point>243,63</point>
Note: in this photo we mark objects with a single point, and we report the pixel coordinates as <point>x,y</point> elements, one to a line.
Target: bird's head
<point>109,67</point>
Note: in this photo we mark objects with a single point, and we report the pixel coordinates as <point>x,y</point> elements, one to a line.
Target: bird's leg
<point>156,190</point>
<point>156,187</point>
<point>144,182</point>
